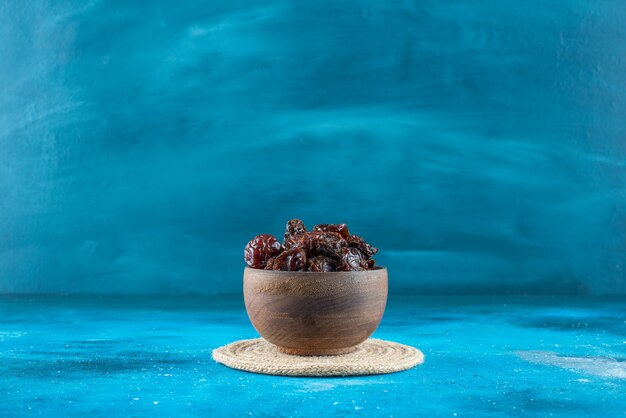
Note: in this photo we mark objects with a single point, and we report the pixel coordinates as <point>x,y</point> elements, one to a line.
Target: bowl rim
<point>338,273</point>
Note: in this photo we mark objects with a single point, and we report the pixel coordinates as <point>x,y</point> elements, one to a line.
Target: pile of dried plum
<point>327,247</point>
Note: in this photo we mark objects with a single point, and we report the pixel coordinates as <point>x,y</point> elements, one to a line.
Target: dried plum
<point>353,259</point>
<point>322,263</point>
<point>358,242</point>
<point>260,249</point>
<point>341,229</point>
<point>293,259</point>
<point>323,243</point>
<point>294,232</point>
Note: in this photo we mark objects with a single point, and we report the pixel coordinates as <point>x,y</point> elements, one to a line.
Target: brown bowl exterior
<point>309,313</point>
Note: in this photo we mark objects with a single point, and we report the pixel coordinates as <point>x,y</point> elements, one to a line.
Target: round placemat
<point>371,357</point>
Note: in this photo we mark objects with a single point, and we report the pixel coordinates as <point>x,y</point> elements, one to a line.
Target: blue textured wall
<point>480,144</point>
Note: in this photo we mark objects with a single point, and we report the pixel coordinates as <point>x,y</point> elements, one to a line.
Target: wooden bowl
<point>309,313</point>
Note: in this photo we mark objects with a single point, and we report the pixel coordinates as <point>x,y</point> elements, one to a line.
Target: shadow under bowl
<point>310,313</point>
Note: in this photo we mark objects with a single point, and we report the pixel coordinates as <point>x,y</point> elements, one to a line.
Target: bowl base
<point>316,351</point>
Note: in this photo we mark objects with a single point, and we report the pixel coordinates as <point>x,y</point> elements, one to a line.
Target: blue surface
<point>479,143</point>
<point>152,357</point>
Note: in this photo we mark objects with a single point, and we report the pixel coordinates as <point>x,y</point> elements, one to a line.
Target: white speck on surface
<point>356,408</point>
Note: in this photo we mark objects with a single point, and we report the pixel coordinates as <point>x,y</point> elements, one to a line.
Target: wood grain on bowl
<point>308,313</point>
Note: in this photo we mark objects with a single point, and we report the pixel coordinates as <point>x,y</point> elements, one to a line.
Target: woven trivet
<point>371,357</point>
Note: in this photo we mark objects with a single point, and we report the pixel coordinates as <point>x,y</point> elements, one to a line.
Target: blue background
<point>480,144</point>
